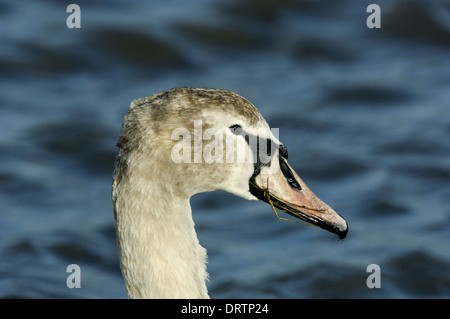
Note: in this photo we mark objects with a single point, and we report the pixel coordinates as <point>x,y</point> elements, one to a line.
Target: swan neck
<point>160,254</point>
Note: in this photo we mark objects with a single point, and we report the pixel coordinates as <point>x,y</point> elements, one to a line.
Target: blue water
<point>364,112</point>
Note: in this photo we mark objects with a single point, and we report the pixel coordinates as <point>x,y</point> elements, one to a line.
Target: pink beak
<point>281,187</point>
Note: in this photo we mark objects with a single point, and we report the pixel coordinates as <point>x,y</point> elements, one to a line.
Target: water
<point>365,114</point>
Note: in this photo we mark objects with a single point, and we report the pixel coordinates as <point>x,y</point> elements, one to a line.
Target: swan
<point>160,254</point>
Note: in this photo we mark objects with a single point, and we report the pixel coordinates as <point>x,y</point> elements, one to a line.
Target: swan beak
<point>282,188</point>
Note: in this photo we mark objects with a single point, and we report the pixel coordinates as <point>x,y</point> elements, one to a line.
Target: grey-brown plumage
<point>158,246</point>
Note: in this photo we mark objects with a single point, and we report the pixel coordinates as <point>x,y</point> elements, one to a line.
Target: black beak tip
<point>342,233</point>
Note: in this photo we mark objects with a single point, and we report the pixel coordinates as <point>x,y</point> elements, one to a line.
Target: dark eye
<point>236,128</point>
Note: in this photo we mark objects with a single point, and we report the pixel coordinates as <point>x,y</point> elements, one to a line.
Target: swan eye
<point>236,128</point>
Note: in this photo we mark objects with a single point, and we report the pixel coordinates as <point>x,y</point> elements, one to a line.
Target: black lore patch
<point>262,148</point>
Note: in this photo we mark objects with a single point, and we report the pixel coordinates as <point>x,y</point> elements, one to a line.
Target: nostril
<point>289,176</point>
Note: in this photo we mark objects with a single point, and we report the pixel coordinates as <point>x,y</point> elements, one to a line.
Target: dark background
<point>364,112</point>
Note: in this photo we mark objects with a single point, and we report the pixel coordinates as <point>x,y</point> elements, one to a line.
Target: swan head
<point>191,140</point>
